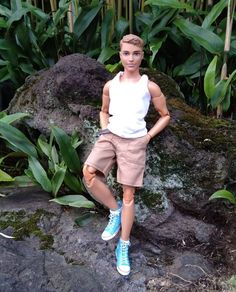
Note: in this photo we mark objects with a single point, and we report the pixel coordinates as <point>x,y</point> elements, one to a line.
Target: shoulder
<point>154,89</point>
<point>106,87</point>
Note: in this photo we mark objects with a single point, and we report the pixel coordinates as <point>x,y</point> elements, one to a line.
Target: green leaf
<point>17,139</point>
<point>13,117</point>
<point>176,4</point>
<point>84,219</point>
<point>73,183</point>
<point>5,177</point>
<point>218,94</point>
<point>226,101</point>
<point>214,13</point>
<point>209,79</point>
<point>4,11</point>
<point>40,174</point>
<point>106,27</point>
<point>44,146</point>
<point>224,194</point>
<point>54,155</point>
<point>77,201</point>
<point>85,19</point>
<point>68,153</point>
<point>106,54</point>
<point>191,66</point>
<point>205,38</point>
<point>120,27</point>
<point>17,15</point>
<point>58,179</point>
<point>155,45</point>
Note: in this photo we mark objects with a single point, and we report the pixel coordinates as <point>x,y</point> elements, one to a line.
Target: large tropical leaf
<point>191,66</point>
<point>85,19</point>
<point>205,38</point>
<point>5,176</point>
<point>73,183</point>
<point>106,28</point>
<point>58,179</point>
<point>214,13</point>
<point>176,4</point>
<point>69,154</point>
<point>40,174</point>
<point>106,54</point>
<point>210,78</point>
<point>74,201</point>
<point>13,117</point>
<point>17,139</point>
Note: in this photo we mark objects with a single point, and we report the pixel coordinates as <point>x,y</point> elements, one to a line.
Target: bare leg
<point>127,215</point>
<point>98,188</point>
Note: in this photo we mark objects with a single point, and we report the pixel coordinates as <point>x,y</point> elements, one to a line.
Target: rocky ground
<point>50,252</point>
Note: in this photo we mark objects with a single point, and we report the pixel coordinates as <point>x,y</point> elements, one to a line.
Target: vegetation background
<point>190,40</point>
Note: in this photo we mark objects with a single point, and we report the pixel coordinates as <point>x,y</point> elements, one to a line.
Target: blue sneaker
<point>114,223</point>
<point>122,256</point>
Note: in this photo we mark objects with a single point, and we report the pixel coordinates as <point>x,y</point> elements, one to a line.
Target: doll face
<point>131,56</point>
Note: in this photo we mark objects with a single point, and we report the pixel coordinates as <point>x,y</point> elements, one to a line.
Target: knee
<point>128,197</point>
<point>89,174</point>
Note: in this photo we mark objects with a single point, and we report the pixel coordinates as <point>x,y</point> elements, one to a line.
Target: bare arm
<point>159,102</point>
<point>104,113</point>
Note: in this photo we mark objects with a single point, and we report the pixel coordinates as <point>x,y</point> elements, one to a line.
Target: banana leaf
<point>40,174</point>
<point>68,153</point>
<point>205,38</point>
<point>17,139</point>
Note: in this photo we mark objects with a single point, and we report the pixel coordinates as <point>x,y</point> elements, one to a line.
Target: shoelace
<point>111,222</point>
<point>124,253</point>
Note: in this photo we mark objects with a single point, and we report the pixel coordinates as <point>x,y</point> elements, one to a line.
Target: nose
<point>131,57</point>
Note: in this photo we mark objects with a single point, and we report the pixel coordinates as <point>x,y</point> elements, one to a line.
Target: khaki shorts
<point>129,154</point>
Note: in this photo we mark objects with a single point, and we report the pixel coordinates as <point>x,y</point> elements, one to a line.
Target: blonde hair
<point>132,39</point>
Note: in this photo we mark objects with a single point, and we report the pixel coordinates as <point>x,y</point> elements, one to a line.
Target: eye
<point>125,53</point>
<point>137,54</point>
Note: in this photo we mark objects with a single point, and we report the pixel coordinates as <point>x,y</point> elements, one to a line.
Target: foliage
<point>218,91</point>
<point>224,194</point>
<point>50,163</point>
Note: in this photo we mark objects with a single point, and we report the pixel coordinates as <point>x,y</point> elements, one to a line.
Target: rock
<point>77,259</point>
<point>186,163</point>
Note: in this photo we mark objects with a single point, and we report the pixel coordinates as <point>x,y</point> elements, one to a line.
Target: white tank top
<point>129,103</point>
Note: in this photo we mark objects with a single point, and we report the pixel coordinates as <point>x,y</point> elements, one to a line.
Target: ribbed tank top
<point>129,103</point>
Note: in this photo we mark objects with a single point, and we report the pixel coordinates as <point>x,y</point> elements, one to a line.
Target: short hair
<point>132,39</point>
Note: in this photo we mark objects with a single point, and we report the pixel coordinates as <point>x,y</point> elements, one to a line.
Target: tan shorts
<point>129,154</point>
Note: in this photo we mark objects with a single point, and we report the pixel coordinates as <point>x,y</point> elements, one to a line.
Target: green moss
<point>152,200</point>
<point>25,225</point>
<point>201,131</point>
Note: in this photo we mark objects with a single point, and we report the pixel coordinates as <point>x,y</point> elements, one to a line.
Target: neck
<point>129,76</point>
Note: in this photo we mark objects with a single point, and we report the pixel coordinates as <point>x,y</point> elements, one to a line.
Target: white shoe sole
<point>123,273</point>
<point>110,237</point>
